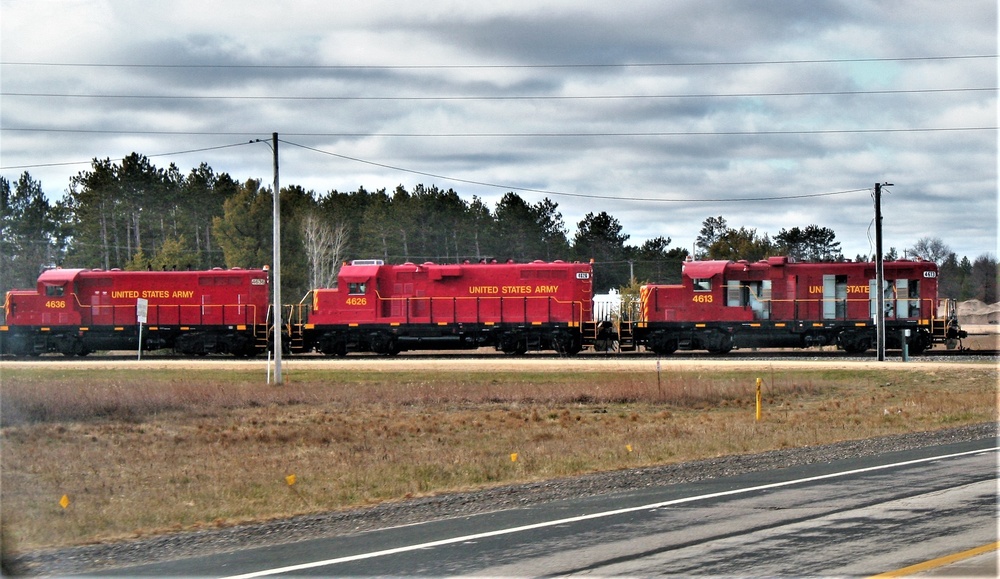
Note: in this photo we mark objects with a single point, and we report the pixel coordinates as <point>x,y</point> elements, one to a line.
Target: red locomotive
<point>77,311</point>
<point>778,303</point>
<point>512,307</point>
<point>386,309</point>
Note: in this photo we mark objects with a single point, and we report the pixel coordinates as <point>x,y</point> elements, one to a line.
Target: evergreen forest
<point>131,214</point>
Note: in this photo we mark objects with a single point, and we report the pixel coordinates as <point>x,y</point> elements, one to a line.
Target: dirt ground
<point>500,363</point>
<point>982,337</point>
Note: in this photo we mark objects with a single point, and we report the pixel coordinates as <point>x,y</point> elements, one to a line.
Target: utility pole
<point>879,275</point>
<point>276,263</point>
<point>276,269</point>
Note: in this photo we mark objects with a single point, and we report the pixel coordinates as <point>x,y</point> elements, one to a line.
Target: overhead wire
<point>512,97</point>
<point>498,66</point>
<point>170,154</point>
<point>563,193</point>
<point>509,135</point>
<point>473,181</point>
<point>499,97</point>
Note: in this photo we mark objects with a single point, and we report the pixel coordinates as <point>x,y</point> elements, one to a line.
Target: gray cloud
<point>220,68</point>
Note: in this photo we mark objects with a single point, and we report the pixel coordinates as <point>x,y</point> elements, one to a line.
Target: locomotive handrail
<point>923,310</point>
<point>126,314</point>
<point>6,307</point>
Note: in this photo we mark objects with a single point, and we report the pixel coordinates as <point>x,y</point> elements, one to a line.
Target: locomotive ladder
<point>626,323</point>
<point>626,339</point>
<point>296,325</point>
<point>260,335</point>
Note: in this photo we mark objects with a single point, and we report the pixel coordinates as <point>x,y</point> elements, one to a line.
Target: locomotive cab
<point>52,302</point>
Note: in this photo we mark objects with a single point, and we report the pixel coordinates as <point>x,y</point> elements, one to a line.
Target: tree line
<point>131,214</point>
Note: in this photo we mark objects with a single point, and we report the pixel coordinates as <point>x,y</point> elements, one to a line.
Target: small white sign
<point>141,309</point>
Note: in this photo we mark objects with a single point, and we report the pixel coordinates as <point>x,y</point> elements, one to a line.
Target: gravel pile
<point>188,544</point>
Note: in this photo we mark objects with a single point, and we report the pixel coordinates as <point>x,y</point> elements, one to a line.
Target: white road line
<point>512,530</point>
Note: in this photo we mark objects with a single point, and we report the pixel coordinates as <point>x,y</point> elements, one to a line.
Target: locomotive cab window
<point>702,284</point>
<point>357,289</point>
<point>54,290</point>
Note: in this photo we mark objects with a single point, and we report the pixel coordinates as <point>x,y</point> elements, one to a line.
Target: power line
<point>495,66</point>
<point>69,163</point>
<point>562,193</point>
<point>498,97</point>
<point>472,181</point>
<point>511,135</point>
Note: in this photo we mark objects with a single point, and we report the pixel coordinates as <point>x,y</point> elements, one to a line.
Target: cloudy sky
<point>772,114</point>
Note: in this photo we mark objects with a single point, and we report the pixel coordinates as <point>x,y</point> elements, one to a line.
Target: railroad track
<point>744,354</point>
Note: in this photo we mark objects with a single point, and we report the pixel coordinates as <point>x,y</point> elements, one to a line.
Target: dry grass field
<point>150,447</point>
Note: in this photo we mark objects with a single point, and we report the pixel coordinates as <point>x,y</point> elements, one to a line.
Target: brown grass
<point>184,449</point>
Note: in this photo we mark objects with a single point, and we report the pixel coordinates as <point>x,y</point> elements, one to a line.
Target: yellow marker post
<point>628,447</point>
<point>513,457</point>
<point>64,501</point>
<point>290,479</point>
<point>759,381</point>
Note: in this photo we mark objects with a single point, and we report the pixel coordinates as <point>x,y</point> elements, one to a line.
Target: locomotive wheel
<point>666,348</point>
<point>856,345</point>
<point>73,347</point>
<point>518,349</point>
<point>720,344</point>
<point>566,344</point>
<point>663,345</point>
<point>918,344</point>
<point>382,343</point>
<point>332,345</point>
<point>513,343</point>
<point>339,349</point>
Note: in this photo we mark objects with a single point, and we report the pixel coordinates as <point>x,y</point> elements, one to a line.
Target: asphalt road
<point>857,517</point>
